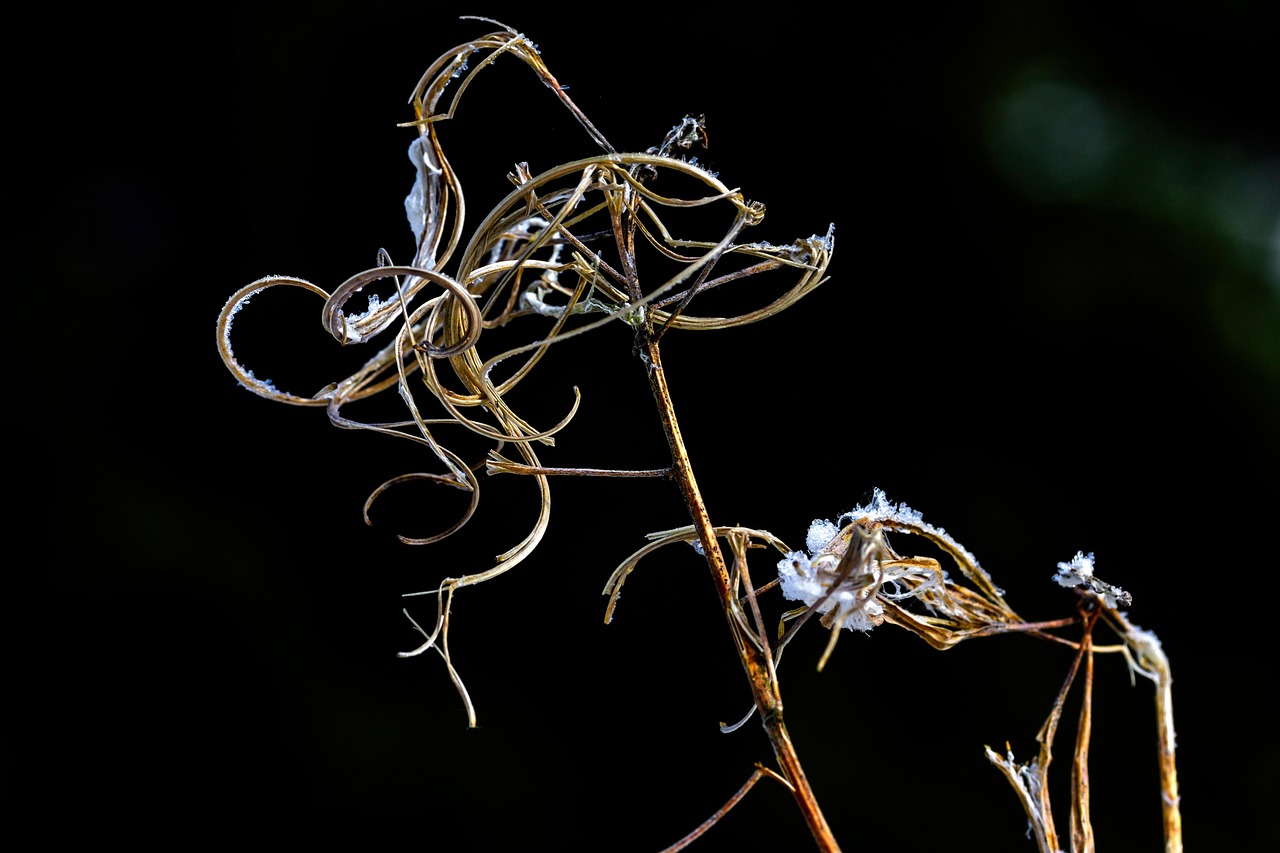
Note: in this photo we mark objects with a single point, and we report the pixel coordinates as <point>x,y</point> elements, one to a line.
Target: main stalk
<point>764,691</point>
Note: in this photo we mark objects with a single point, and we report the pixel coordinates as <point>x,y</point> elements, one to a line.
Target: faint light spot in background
<point>1243,200</point>
<point>1056,142</point>
<point>1053,141</point>
<point>1275,258</point>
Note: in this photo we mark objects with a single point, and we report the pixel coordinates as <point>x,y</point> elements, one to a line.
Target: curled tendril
<point>581,245</point>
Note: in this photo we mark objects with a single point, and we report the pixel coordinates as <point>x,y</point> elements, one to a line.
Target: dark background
<point>1052,325</point>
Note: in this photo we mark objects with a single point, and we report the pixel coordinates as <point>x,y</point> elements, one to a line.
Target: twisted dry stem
<point>537,261</point>
<point>561,256</point>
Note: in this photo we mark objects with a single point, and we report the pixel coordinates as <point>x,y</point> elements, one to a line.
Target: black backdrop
<point>1051,326</point>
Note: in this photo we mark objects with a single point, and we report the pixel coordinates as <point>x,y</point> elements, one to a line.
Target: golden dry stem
<point>591,243</point>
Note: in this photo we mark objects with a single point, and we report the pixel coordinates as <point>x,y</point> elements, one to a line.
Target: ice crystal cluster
<point>816,579</point>
<point>808,577</point>
<point>1079,572</point>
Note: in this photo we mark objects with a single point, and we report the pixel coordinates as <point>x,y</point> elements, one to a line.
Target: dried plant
<point>562,255</point>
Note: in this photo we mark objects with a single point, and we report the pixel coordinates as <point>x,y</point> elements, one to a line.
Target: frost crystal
<point>821,532</point>
<point>803,579</point>
<point>882,509</point>
<point>1079,572</point>
<point>808,576</point>
<point>851,586</point>
<point>417,206</point>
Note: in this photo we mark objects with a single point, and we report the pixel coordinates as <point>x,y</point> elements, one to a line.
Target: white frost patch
<point>416,205</point>
<point>1079,572</point>
<point>808,576</point>
<point>802,581</point>
<point>820,533</point>
<point>880,508</point>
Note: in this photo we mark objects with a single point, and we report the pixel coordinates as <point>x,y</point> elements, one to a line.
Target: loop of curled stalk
<point>557,258</point>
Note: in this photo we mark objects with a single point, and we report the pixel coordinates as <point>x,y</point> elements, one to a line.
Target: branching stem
<point>760,773</point>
